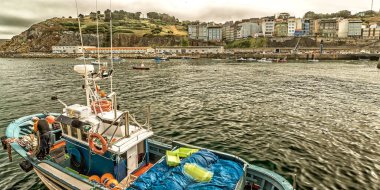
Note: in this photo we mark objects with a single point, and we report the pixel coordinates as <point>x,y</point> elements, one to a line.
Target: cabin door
<point>132,159</point>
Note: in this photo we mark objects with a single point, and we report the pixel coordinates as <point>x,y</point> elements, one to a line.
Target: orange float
<point>101,106</point>
<point>92,145</point>
<point>94,178</point>
<point>112,183</point>
<point>106,178</point>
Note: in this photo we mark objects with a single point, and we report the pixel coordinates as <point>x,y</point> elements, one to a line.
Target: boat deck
<point>62,176</point>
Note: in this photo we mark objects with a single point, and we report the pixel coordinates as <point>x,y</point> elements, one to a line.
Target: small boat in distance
<point>313,60</point>
<point>251,60</point>
<point>159,59</point>
<point>84,58</point>
<point>265,60</point>
<point>241,59</point>
<point>96,62</point>
<point>284,60</point>
<point>141,67</point>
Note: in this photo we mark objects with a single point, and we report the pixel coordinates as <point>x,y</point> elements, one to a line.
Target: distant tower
<point>372,6</point>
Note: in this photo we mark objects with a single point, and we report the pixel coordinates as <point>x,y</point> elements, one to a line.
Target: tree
<point>138,15</point>
<point>153,15</point>
<point>107,15</point>
<point>156,30</point>
<point>81,17</point>
<point>310,14</point>
<point>93,16</point>
<point>344,14</point>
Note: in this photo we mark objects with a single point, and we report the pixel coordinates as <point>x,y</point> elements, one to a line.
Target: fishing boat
<point>265,60</point>
<point>313,60</point>
<point>159,59</point>
<point>96,62</point>
<point>241,59</point>
<point>141,67</point>
<point>251,60</point>
<point>84,58</point>
<point>126,157</point>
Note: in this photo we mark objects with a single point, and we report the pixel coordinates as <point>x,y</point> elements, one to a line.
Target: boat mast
<point>111,44</point>
<point>114,101</point>
<point>97,33</point>
<point>86,86</point>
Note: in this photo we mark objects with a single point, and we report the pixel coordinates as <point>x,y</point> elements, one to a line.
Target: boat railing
<point>125,119</point>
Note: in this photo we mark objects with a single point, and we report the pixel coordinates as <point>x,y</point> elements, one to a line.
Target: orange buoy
<point>106,177</point>
<point>50,119</point>
<point>101,106</point>
<point>94,178</point>
<point>112,183</point>
<point>92,145</point>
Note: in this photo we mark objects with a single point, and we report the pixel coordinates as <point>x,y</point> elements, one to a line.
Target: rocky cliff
<point>64,32</point>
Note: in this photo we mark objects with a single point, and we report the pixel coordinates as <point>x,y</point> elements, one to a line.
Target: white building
<point>228,31</point>
<point>193,31</point>
<point>116,50</point>
<point>291,26</point>
<point>69,49</point>
<point>214,33</point>
<point>268,26</point>
<point>198,32</point>
<point>294,24</point>
<point>349,28</point>
<point>371,33</point>
<point>248,29</point>
<point>191,50</point>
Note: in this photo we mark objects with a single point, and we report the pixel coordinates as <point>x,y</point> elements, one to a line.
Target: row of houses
<point>281,26</point>
<point>139,50</point>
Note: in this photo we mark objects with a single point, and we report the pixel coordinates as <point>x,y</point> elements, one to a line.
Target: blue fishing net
<point>161,177</point>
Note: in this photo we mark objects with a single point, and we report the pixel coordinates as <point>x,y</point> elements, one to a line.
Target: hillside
<point>65,32</point>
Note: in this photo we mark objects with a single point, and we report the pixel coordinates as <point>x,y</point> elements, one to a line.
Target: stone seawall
<point>303,56</point>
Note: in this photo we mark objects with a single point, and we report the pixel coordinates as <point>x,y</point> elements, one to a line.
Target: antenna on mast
<point>97,32</point>
<point>111,43</point>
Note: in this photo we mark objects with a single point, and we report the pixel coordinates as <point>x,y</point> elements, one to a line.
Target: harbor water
<point>320,121</point>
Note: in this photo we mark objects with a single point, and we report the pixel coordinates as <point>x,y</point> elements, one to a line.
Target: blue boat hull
<point>54,175</point>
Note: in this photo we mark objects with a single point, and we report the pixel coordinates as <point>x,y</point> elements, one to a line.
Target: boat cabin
<point>126,145</point>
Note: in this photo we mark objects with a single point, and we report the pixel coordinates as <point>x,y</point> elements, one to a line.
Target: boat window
<point>74,132</point>
<point>84,134</point>
<point>64,128</point>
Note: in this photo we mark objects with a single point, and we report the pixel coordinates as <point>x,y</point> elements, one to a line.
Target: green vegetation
<point>70,26</point>
<point>184,42</point>
<point>126,22</point>
<point>248,43</point>
<point>157,30</point>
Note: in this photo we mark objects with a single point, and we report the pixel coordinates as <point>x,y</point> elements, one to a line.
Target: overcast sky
<point>18,15</point>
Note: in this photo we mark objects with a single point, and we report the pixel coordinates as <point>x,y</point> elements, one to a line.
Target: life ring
<point>101,106</point>
<point>92,145</point>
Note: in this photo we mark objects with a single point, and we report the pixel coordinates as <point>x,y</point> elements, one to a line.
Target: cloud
<point>7,32</point>
<point>17,21</point>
